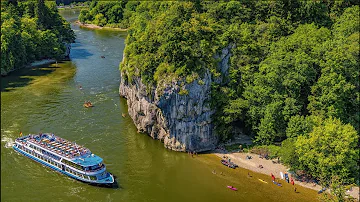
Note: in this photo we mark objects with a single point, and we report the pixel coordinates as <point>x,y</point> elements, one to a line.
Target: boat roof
<point>64,148</point>
<point>88,160</point>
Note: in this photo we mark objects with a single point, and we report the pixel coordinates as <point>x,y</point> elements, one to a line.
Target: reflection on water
<point>48,99</point>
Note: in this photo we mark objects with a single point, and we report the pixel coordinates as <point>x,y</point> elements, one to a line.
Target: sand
<point>92,26</point>
<point>270,167</point>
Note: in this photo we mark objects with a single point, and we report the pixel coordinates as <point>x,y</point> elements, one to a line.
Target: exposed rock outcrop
<point>182,121</point>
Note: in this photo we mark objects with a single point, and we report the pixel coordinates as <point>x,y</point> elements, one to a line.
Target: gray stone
<point>182,122</point>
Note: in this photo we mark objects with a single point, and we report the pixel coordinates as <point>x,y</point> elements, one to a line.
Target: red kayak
<point>232,188</point>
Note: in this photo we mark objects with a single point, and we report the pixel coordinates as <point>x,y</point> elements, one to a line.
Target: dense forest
<point>293,76</point>
<point>32,30</point>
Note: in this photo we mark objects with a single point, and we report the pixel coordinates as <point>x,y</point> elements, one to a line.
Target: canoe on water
<point>232,188</point>
<point>87,105</point>
<point>263,181</point>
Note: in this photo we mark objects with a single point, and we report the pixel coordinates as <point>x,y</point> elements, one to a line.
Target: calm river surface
<point>48,99</point>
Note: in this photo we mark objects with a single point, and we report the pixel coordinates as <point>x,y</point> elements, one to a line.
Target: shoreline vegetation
<point>93,26</point>
<point>30,32</point>
<point>285,74</point>
<point>270,167</point>
<point>37,63</point>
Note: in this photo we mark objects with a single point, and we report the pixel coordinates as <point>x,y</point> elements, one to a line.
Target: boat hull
<point>109,184</point>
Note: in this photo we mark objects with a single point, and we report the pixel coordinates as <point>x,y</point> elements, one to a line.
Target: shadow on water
<point>22,77</point>
<point>80,53</point>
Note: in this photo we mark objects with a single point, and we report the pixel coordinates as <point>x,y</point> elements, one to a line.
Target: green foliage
<point>293,64</point>
<point>330,149</point>
<point>300,125</point>
<point>31,31</point>
<point>337,191</point>
<point>336,92</point>
<point>100,20</point>
<point>106,13</point>
<point>272,151</point>
<point>288,154</point>
<point>183,92</point>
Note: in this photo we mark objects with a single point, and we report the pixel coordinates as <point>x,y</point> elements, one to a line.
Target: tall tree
<point>330,150</point>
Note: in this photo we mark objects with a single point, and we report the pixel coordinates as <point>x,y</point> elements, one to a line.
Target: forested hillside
<point>293,75</point>
<point>31,30</point>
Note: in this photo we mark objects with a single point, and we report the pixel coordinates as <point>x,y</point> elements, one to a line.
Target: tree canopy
<point>31,30</point>
<point>293,72</point>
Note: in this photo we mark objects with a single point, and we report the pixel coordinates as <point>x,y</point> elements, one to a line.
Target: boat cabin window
<point>96,167</point>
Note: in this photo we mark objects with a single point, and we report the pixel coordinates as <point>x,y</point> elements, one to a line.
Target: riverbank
<point>41,63</point>
<point>31,65</point>
<point>92,26</point>
<point>270,167</point>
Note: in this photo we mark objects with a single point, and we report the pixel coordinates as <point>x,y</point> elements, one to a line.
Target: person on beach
<point>282,175</point>
<point>295,189</point>
<point>286,177</point>
<point>292,181</point>
<point>272,177</point>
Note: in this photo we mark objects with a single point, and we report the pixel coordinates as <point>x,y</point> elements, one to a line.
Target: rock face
<point>182,121</point>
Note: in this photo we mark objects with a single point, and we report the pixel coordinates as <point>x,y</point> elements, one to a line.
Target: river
<point>48,99</point>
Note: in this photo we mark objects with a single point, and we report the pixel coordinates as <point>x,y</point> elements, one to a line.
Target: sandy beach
<point>270,167</point>
<point>92,26</point>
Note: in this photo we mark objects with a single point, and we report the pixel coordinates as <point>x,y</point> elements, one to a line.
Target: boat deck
<point>58,145</point>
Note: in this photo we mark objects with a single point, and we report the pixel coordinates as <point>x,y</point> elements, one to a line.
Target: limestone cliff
<point>182,121</point>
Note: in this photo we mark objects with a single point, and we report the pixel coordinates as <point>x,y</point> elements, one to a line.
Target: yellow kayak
<point>263,181</point>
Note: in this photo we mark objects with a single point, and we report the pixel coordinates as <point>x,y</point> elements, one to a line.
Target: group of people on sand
<point>192,153</point>
<point>287,179</point>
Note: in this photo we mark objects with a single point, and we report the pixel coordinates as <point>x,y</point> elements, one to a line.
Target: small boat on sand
<point>262,181</point>
<point>232,188</point>
<point>278,184</point>
<point>321,190</point>
<point>228,163</point>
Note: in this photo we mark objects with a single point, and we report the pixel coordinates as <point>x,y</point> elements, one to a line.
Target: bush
<point>183,92</point>
<point>272,151</point>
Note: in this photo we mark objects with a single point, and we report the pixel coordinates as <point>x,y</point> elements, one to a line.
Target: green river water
<point>48,99</point>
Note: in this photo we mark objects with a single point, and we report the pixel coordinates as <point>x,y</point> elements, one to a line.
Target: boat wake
<point>8,142</point>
